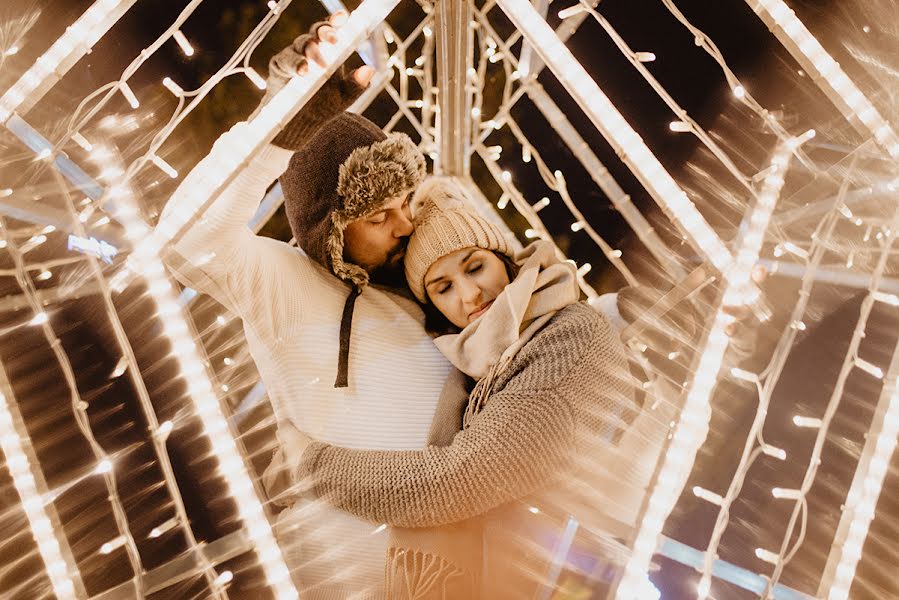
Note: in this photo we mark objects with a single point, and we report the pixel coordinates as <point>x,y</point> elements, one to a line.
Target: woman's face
<point>462,285</point>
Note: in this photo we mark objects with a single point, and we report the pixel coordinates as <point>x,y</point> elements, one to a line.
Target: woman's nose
<point>470,293</point>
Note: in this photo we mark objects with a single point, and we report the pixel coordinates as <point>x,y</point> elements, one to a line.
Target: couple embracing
<point>444,403</point>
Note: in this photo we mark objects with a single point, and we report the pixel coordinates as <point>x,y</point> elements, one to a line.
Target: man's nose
<point>403,226</point>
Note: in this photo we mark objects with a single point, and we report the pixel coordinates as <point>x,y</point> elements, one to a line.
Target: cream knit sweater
<point>291,309</point>
<point>560,401</point>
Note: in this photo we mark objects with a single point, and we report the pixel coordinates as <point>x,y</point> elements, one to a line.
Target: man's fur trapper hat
<point>346,171</point>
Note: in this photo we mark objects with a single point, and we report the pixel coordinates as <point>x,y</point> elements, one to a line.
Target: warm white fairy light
<point>39,319</point>
<point>707,495</point>
<point>807,422</point>
<point>173,87</point>
<point>110,546</point>
<point>200,389</point>
<point>255,77</point>
<point>886,298</point>
<point>20,470</point>
<point>828,73</point>
<point>633,150</point>
<point>869,368</point>
<point>692,425</point>
<point>540,204</point>
<point>164,166</point>
<point>571,11</point>
<point>766,555</point>
<point>82,141</point>
<point>774,452</point>
<point>864,502</point>
<point>786,493</point>
<point>182,42</point>
<point>129,95</point>
<point>72,45</point>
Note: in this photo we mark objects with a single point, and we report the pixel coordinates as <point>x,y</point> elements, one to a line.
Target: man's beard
<point>391,273</point>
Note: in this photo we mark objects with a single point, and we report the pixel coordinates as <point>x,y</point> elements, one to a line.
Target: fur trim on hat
<point>368,177</point>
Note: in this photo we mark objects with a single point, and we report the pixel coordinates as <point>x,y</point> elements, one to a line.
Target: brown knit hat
<point>346,171</point>
<point>444,223</point>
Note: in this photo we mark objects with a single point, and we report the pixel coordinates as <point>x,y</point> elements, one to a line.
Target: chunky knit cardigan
<point>565,395</point>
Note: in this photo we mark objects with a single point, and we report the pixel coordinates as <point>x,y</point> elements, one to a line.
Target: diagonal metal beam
<point>826,72</point>
<point>24,468</point>
<point>861,501</point>
<point>65,52</point>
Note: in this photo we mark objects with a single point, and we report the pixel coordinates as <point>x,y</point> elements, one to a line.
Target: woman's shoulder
<point>578,321</point>
<point>575,335</point>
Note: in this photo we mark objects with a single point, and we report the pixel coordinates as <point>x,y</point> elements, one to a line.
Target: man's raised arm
<point>219,255</point>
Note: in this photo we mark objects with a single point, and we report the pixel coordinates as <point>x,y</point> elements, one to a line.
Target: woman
<point>552,391</point>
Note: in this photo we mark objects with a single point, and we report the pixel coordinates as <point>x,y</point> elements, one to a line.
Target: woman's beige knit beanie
<point>445,223</point>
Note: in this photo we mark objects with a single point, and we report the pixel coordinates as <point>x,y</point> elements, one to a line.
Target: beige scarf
<point>544,285</point>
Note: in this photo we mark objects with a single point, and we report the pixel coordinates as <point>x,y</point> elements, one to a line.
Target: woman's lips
<point>480,310</point>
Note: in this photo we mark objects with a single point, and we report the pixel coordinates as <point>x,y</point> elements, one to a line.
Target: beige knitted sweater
<point>564,395</point>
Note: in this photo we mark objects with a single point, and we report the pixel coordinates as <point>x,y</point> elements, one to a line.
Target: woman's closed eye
<point>474,267</point>
<point>442,288</point>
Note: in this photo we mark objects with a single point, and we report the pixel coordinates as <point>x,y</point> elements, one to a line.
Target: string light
<point>129,95</point>
<point>173,87</point>
<point>609,121</point>
<point>182,42</point>
<point>808,422</point>
<point>707,495</point>
<point>830,76</point>
<point>71,46</point>
<point>20,469</point>
<point>82,141</point>
<point>862,500</point>
<point>571,11</point>
<point>693,420</point>
<point>164,166</point>
<point>255,77</point>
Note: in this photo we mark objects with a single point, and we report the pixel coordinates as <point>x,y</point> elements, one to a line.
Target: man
<point>342,356</point>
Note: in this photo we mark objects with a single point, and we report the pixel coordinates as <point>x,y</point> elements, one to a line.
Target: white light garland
<point>20,469</point>
<point>616,130</point>
<point>865,491</point>
<point>826,72</point>
<point>71,46</point>
<point>692,425</point>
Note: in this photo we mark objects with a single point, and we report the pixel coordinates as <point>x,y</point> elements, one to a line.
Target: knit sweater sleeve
<point>517,445</point>
<point>219,255</point>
